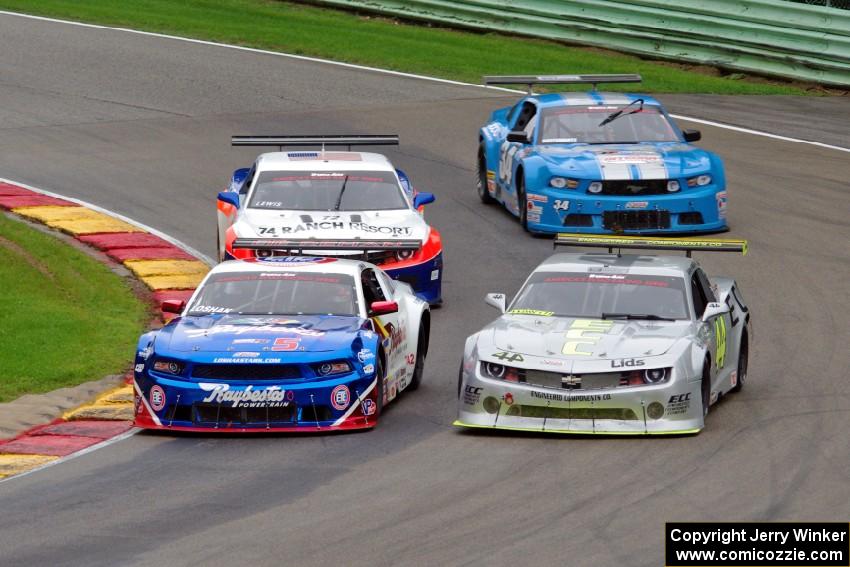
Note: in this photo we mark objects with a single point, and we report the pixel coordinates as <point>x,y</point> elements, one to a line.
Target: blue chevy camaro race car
<point>598,163</point>
<point>282,344</point>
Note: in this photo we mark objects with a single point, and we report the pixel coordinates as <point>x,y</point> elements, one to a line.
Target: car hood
<point>329,225</point>
<point>257,334</point>
<point>625,161</point>
<point>547,337</point>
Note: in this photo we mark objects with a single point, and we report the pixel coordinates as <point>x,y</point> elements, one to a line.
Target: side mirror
<point>496,300</point>
<point>229,197</point>
<point>692,135</point>
<point>713,310</point>
<point>173,306</point>
<point>519,136</point>
<point>383,307</point>
<point>423,199</point>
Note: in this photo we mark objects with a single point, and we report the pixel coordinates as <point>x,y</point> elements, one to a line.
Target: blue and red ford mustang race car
<point>282,344</point>
<point>597,163</point>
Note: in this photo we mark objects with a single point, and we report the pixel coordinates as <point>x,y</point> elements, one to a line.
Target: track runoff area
<point>695,444</point>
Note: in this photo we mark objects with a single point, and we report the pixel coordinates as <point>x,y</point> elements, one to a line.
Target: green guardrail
<point>784,39</point>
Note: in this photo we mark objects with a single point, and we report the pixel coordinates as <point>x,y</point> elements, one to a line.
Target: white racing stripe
<point>399,74</point>
<point>359,403</point>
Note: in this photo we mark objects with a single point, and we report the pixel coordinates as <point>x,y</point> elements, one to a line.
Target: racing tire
<point>419,365</point>
<point>522,202</point>
<point>743,361</point>
<point>483,193</point>
<point>705,389</point>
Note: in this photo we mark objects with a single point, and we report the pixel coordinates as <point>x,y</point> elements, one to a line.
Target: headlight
<point>672,186</point>
<point>169,367</point>
<point>332,368</point>
<point>699,180</point>
<point>499,372</point>
<point>405,254</point>
<point>595,187</point>
<point>563,182</point>
<point>654,375</point>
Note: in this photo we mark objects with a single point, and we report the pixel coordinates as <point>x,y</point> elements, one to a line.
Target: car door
<point>526,120</point>
<point>390,327</point>
<point>718,326</point>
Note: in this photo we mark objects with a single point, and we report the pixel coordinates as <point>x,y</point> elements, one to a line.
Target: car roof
<point>592,98</point>
<point>316,160</point>
<point>661,265</point>
<point>279,264</point>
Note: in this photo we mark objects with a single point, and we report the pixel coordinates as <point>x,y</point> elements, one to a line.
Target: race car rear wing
<point>319,140</point>
<point>531,80</point>
<point>296,246</point>
<point>687,245</point>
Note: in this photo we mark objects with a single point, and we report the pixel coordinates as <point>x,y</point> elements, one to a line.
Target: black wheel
<point>483,193</point>
<point>522,202</point>
<point>743,361</point>
<point>419,366</point>
<point>705,387</point>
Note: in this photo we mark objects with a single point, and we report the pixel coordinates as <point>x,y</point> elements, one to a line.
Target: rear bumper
<point>217,406</point>
<point>495,404</point>
<point>689,211</point>
<point>425,278</point>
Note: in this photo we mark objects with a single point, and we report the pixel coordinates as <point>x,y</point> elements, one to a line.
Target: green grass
<point>65,318</point>
<point>332,34</point>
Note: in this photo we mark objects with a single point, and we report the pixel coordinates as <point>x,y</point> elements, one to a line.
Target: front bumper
<point>496,404</point>
<point>688,211</point>
<point>343,403</point>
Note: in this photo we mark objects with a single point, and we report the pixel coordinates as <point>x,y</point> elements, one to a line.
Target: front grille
<point>634,187</point>
<point>548,412</point>
<point>575,219</point>
<point>247,371</point>
<point>635,220</point>
<point>690,218</point>
<point>592,381</point>
<point>223,416</point>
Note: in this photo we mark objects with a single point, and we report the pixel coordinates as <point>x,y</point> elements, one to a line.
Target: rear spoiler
<point>297,246</point>
<point>687,245</point>
<point>318,140</point>
<point>530,80</point>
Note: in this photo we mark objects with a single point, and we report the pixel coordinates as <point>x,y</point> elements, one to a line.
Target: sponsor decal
<point>286,344</point>
<point>605,277</point>
<point>678,404</point>
<point>365,354</point>
<point>273,396</point>
<point>471,395</point>
<point>320,226</point>
<point>537,198</point>
<point>246,354</point>
<point>630,159</point>
<point>246,360</point>
<point>491,186</point>
<point>637,204</point>
<point>557,397</point>
<point>411,359</point>
<point>722,203</point>
<point>157,397</point>
<point>250,341</point>
<point>532,217</point>
<point>209,309</point>
<point>369,407</point>
<point>626,363</point>
<point>509,356</point>
<point>734,378</point>
<point>720,340</point>
<point>537,312</point>
<point>509,398</point>
<point>145,352</point>
<point>435,275</point>
<point>340,397</point>
<point>245,329</point>
<point>290,260</point>
<point>548,362</point>
<point>583,333</point>
<point>561,205</point>
<point>140,367</point>
<point>369,369</point>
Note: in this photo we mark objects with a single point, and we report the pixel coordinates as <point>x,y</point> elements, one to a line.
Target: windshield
<point>277,293</point>
<point>327,191</point>
<point>571,125</point>
<point>576,294</point>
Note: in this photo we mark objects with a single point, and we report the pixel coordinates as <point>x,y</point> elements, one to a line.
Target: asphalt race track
<point>141,125</point>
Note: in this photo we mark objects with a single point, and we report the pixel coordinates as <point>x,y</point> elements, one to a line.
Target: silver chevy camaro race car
<point>609,343</point>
